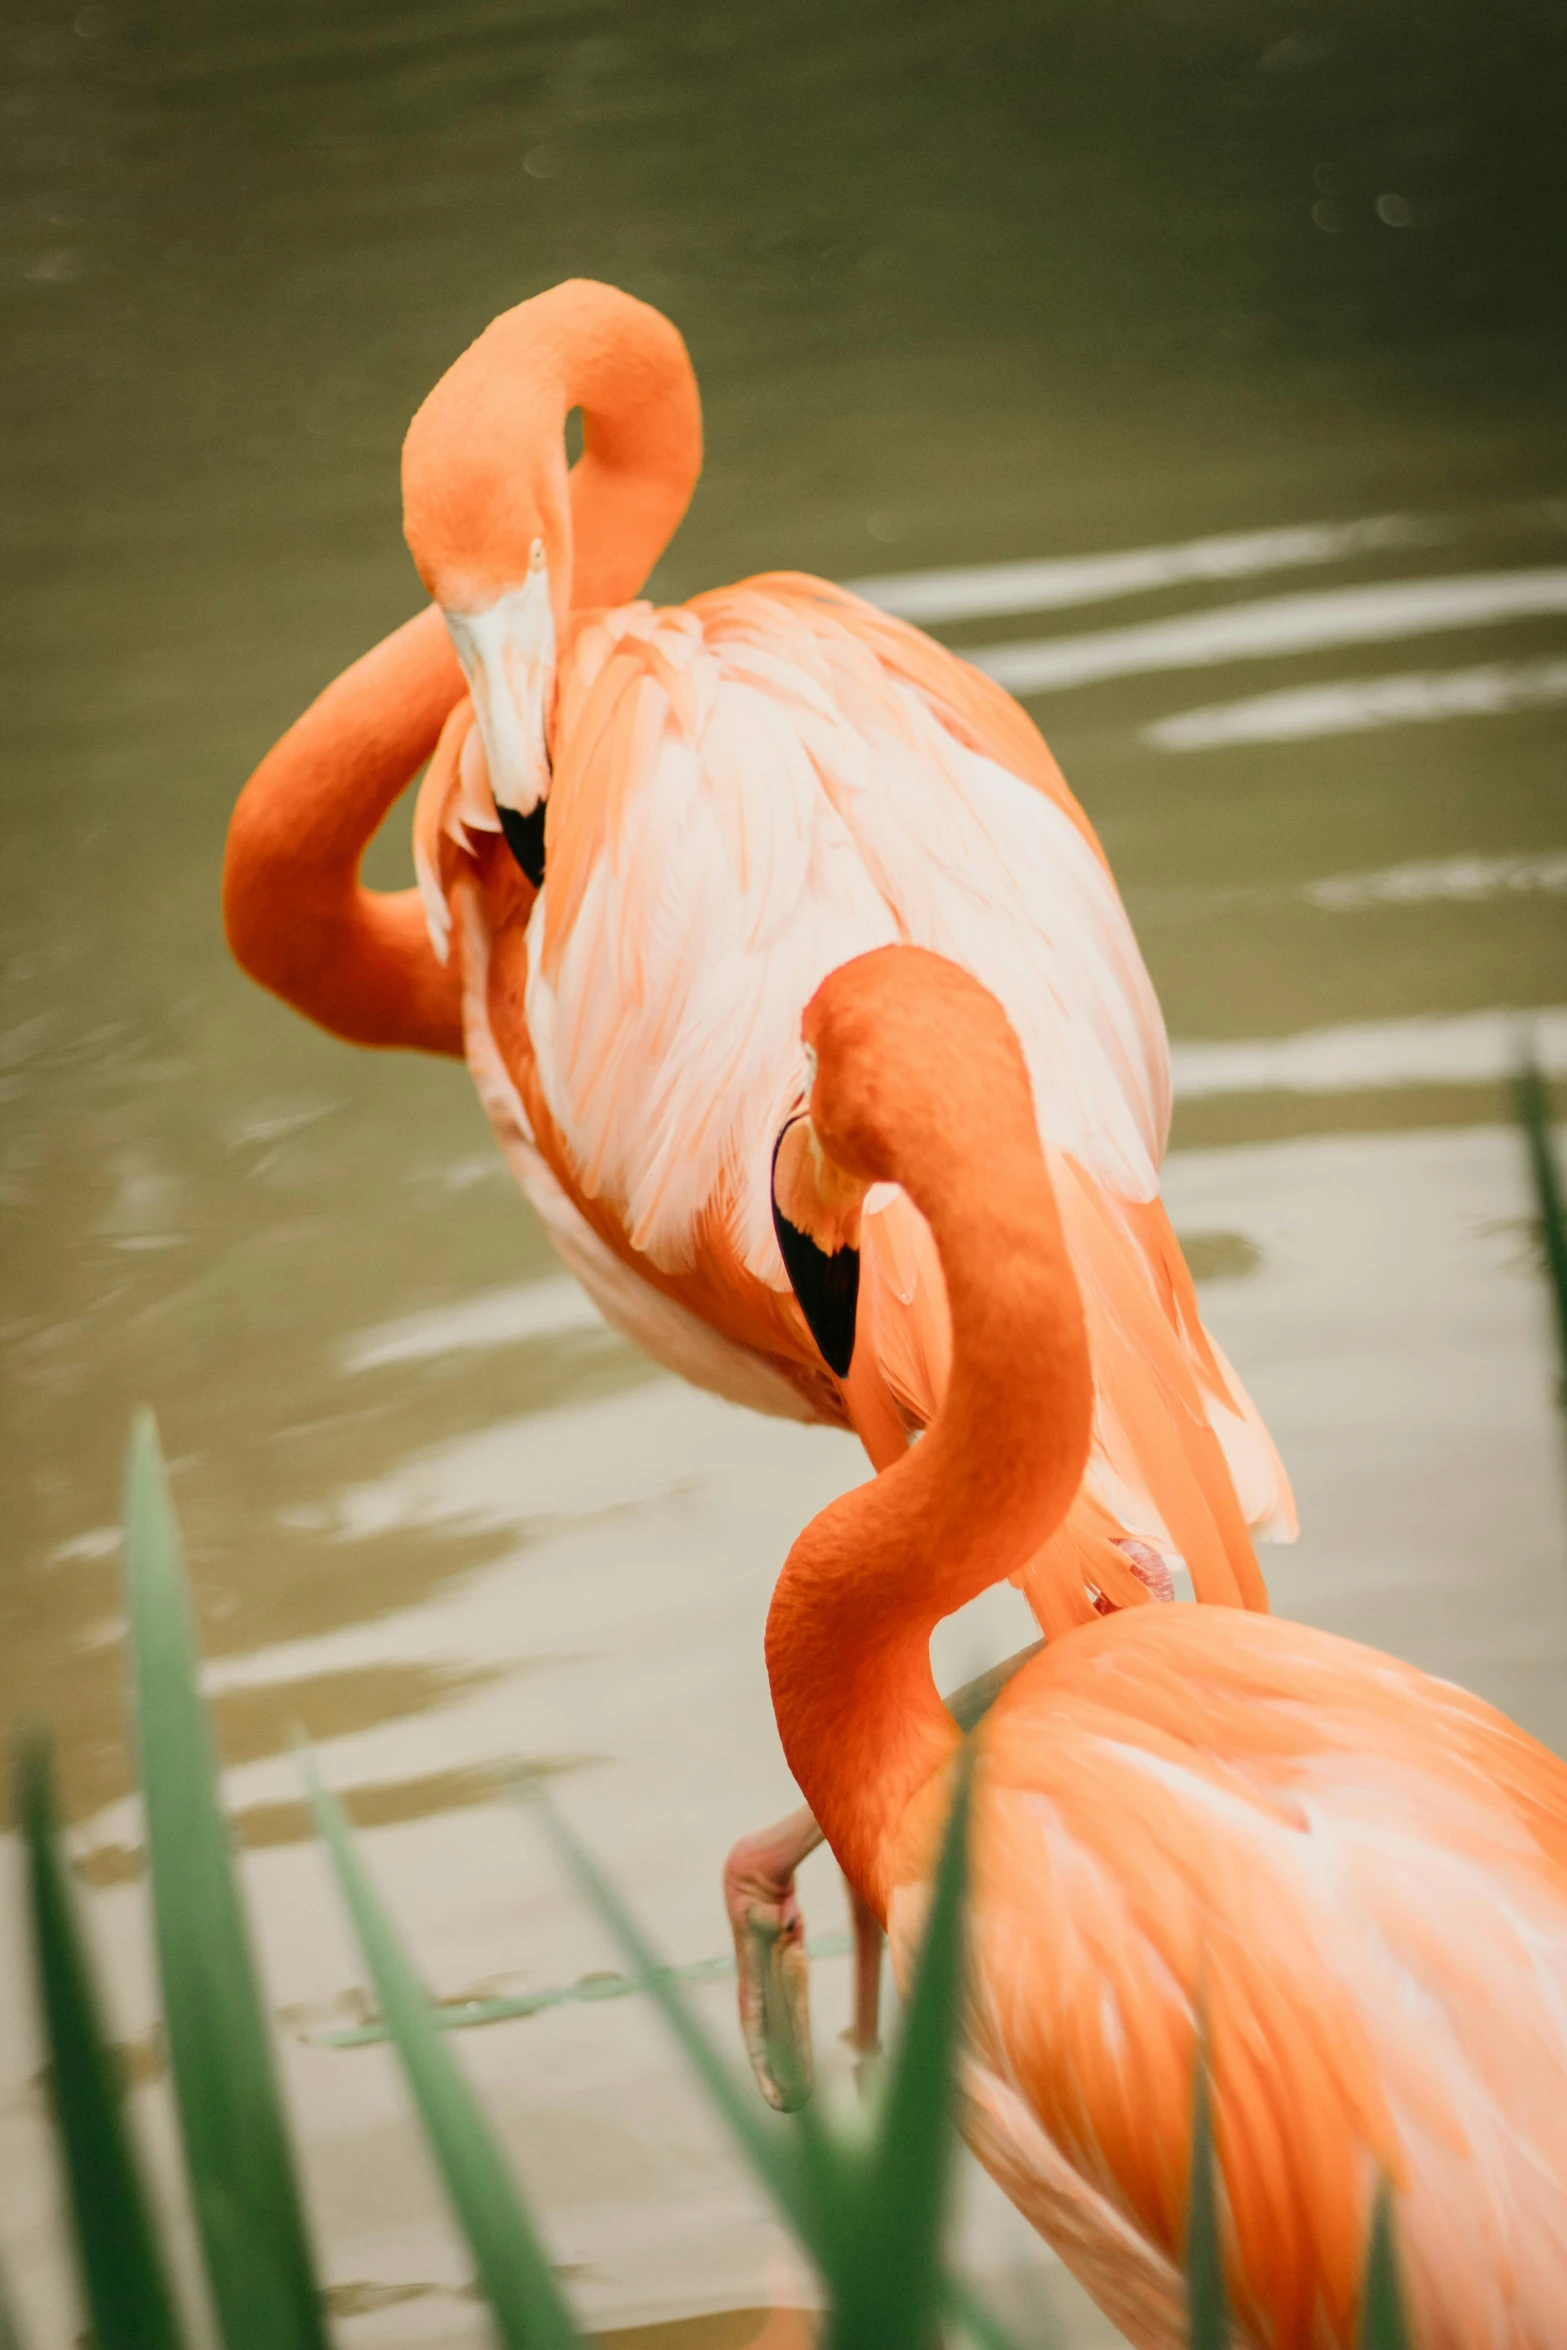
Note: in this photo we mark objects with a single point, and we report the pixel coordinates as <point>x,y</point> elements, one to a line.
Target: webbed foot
<point>770,1960</point>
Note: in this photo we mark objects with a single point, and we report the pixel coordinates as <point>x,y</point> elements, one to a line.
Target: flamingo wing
<point>1359,1876</point>
<point>747,792</point>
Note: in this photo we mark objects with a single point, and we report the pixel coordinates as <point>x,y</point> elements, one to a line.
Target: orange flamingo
<point>728,799</point>
<point>1358,1873</point>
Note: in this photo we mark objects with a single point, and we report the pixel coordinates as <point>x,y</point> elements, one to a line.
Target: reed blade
<point>890,2277</point>
<point>124,2282</point>
<point>237,2149</point>
<point>526,2304</point>
<point>1207,2305</point>
<point>1534,1115</point>
<point>1384,2323</point>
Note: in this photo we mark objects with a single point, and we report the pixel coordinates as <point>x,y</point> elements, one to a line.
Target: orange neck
<point>358,961</point>
<point>641,448</point>
<point>923,1084</point>
<point>484,467</point>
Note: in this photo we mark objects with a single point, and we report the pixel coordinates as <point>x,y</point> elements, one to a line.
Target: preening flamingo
<point>643,838</point>
<point>1356,1873</point>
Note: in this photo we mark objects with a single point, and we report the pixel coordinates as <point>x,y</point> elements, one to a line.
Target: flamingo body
<point>1355,1876</point>
<point>747,791</point>
<point>1360,1875</point>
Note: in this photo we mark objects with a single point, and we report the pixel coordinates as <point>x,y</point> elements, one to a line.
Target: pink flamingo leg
<point>770,1960</point>
<point>769,1932</point>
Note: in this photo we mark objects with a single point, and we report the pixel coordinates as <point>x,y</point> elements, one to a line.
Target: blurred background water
<point>1213,351</point>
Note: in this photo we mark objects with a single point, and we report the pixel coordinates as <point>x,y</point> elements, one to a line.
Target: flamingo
<point>1355,1873</point>
<point>643,838</point>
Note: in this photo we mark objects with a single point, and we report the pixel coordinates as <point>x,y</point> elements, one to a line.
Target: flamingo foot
<point>770,1960</point>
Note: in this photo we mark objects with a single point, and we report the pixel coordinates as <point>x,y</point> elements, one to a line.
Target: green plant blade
<point>514,2270</point>
<point>1534,1115</point>
<point>794,2176</point>
<point>816,2182</point>
<point>237,2150</point>
<point>888,2284</point>
<point>1383,2322</point>
<point>124,2283</point>
<point>1207,2306</point>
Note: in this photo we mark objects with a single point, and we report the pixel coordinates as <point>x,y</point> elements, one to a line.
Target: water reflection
<point>496,1317</point>
<point>1352,706</point>
<point>1467,878</point>
<point>984,591</point>
<point>1277,625</point>
<point>1476,1048</point>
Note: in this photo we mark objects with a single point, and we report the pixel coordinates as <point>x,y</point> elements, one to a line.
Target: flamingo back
<point>1358,1877</point>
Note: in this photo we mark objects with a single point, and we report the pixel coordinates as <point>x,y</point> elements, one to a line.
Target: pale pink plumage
<point>748,791</point>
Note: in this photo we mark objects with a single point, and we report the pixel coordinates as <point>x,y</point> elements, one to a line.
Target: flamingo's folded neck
<point>484,464</point>
<point>921,1081</point>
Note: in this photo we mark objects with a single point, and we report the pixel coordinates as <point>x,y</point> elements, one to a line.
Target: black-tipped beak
<point>827,1287</point>
<point>525,839</point>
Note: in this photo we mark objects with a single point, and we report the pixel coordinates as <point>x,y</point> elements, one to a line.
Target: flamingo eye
<point>536,556</point>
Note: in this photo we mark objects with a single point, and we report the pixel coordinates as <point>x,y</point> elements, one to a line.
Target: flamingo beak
<point>507,651</point>
<point>816,1216</point>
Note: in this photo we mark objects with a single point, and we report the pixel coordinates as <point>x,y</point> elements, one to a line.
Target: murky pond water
<point>1212,354</point>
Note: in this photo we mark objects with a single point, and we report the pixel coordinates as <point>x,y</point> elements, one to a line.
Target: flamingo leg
<point>864,2034</point>
<point>769,1933</point>
<point>770,1960</point>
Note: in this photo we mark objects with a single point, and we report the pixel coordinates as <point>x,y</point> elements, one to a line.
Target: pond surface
<point>1211,356</point>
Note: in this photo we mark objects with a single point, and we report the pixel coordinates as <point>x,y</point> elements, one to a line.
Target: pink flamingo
<point>1358,1873</point>
<point>728,799</point>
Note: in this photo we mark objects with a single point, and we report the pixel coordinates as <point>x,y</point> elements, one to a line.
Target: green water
<point>963,285</point>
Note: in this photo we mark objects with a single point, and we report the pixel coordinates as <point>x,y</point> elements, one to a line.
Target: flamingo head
<point>508,543</point>
<point>817,1208</point>
<point>916,1079</point>
<point>487,517</point>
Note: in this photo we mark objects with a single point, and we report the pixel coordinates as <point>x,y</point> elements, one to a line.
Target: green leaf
<point>888,2281</point>
<point>798,2177</point>
<point>1384,2324</point>
<point>1534,1115</point>
<point>237,2150</point>
<point>1208,2315</point>
<point>514,2270</point>
<point>124,2282</point>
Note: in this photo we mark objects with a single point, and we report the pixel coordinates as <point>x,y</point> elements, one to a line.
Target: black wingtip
<point>827,1287</point>
<point>525,839</point>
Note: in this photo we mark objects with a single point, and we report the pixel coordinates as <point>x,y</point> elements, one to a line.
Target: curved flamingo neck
<point>921,1082</point>
<point>484,468</point>
<point>356,960</point>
